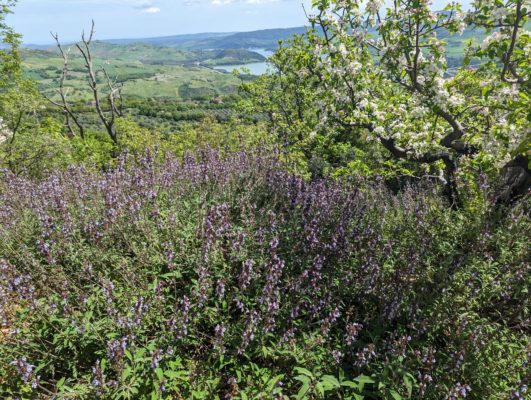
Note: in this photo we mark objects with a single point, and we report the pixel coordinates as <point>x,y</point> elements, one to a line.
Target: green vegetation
<point>228,277</point>
<point>146,71</point>
<point>353,225</point>
<point>166,89</point>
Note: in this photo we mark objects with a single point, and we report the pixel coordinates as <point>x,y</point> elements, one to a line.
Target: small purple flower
<point>353,329</point>
<point>459,391</point>
<point>219,335</point>
<point>246,274</point>
<point>232,384</point>
<point>364,356</point>
<point>24,369</point>
<point>220,289</point>
<point>98,378</point>
<point>337,356</point>
<point>116,350</point>
<point>156,358</point>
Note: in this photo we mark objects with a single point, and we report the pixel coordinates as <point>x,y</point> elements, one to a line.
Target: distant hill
<point>266,39</point>
<point>263,39</point>
<point>172,41</point>
<point>154,55</point>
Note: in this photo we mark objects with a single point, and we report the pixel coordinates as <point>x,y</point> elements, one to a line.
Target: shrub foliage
<point>227,277</point>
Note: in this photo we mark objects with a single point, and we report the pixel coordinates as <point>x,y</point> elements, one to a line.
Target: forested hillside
<point>263,39</point>
<point>352,224</point>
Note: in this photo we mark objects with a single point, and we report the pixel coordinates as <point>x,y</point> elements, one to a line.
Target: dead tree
<point>64,105</point>
<point>114,97</point>
<point>114,94</point>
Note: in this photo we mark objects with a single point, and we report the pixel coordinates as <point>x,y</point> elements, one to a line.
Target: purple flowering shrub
<point>215,277</point>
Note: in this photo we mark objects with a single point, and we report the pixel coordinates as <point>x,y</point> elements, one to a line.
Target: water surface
<point>257,68</point>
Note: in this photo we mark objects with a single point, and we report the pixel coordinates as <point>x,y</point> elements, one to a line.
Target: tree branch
<point>108,122</point>
<point>64,103</point>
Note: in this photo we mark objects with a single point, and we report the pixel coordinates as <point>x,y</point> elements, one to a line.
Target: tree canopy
<point>367,73</point>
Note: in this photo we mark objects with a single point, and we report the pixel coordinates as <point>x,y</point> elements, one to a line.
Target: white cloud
<point>151,10</point>
<point>146,6</point>
<point>260,1</point>
<point>254,2</point>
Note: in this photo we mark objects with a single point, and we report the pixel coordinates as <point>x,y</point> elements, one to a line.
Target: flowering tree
<point>383,75</point>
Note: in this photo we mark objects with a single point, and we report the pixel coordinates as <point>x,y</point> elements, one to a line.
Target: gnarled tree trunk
<point>515,181</point>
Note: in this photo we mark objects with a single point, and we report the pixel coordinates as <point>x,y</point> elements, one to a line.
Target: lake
<point>258,68</point>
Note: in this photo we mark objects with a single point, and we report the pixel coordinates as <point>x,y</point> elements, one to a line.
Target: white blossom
<point>373,6</point>
<point>456,100</point>
<point>493,38</point>
<point>499,13</point>
<point>343,50</point>
<point>379,130</point>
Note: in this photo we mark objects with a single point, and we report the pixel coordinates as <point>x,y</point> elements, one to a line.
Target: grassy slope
<point>147,71</point>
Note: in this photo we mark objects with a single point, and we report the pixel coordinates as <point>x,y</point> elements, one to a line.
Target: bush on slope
<point>228,277</point>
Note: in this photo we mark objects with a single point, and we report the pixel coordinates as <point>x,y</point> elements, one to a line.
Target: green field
<point>146,71</point>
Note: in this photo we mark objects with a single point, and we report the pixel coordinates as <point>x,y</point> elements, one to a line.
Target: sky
<point>117,19</point>
<point>123,19</point>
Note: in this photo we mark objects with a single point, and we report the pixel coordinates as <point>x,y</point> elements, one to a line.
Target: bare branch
<point>67,111</point>
<point>449,181</point>
<point>508,65</point>
<point>115,94</point>
<point>108,121</point>
<point>114,98</point>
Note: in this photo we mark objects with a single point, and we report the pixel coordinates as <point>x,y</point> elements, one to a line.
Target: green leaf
<point>60,383</point>
<point>330,382</point>
<point>320,389</point>
<point>127,372</point>
<point>395,395</point>
<point>183,375</point>
<point>303,371</point>
<point>408,382</point>
<point>128,355</point>
<point>304,389</point>
<point>341,375</point>
<point>364,379</point>
<point>350,384</point>
<point>273,382</point>
<point>302,378</point>
<point>40,367</point>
